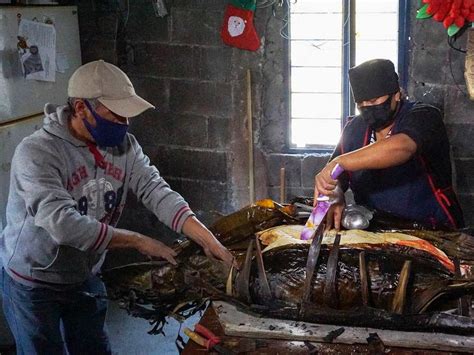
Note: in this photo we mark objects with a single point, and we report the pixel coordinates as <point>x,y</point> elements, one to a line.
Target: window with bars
<point>327,37</point>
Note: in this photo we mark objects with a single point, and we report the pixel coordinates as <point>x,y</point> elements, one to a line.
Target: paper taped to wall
<point>37,50</point>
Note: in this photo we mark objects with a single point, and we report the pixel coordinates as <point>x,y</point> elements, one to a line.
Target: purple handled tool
<point>319,212</point>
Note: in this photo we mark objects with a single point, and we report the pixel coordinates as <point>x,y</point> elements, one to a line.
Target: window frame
<point>348,61</point>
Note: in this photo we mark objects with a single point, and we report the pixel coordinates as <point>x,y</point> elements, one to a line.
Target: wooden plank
<point>399,300</point>
<point>254,346</point>
<point>238,323</point>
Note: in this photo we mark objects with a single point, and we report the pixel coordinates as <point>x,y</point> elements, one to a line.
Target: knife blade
<point>316,218</point>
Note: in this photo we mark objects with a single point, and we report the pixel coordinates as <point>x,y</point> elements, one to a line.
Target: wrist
<point>342,161</point>
<point>197,231</point>
<point>136,240</point>
<point>203,238</point>
<point>123,238</point>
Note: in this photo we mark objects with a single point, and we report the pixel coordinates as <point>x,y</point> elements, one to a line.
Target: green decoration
<point>245,4</point>
<point>452,30</point>
<point>422,14</point>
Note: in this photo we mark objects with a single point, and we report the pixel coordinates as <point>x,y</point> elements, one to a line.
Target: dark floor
<point>128,335</point>
<point>7,345</point>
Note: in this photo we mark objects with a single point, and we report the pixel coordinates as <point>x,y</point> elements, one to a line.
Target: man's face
<point>373,102</point>
<point>107,114</point>
<point>378,113</point>
<point>83,112</point>
<point>380,100</point>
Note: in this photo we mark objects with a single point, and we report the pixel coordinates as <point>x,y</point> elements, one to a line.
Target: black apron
<point>409,190</point>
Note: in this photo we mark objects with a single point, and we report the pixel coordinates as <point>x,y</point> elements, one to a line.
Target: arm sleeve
<point>155,193</point>
<point>425,126</point>
<point>343,178</point>
<point>37,178</point>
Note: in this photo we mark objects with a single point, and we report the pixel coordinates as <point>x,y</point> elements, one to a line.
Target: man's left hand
<point>324,184</point>
<point>214,249</point>
<point>194,229</point>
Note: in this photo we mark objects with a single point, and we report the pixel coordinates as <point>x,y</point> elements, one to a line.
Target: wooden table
<point>251,346</point>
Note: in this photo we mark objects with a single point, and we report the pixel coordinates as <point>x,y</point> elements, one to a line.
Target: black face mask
<point>378,116</point>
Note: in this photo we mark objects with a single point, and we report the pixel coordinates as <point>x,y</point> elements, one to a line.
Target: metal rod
<point>348,56</point>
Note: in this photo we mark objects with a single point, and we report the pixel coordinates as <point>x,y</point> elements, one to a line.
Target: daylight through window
<point>318,46</point>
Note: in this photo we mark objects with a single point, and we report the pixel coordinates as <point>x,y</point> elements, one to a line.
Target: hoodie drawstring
<point>99,159</point>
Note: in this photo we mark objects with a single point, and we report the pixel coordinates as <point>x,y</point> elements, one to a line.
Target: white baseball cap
<point>109,85</point>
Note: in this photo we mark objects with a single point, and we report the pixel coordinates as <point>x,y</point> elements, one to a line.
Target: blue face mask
<point>105,133</point>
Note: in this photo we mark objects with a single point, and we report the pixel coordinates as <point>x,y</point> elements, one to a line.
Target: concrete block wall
<point>198,136</point>
<point>436,76</point>
<point>179,64</point>
<point>179,67</point>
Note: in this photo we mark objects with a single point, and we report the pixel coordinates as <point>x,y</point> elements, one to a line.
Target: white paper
<point>62,62</point>
<point>37,50</point>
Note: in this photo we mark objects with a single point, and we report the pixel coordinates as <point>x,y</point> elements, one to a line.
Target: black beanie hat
<point>372,79</point>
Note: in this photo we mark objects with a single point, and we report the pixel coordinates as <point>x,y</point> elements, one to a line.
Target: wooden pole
<point>469,63</point>
<point>250,135</point>
<point>282,185</point>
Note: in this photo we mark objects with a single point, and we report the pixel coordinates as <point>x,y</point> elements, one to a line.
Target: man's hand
<point>334,216</point>
<point>123,238</point>
<point>215,249</point>
<point>155,248</point>
<point>198,232</point>
<point>324,184</point>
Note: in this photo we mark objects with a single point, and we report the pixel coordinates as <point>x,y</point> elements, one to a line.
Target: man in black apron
<point>395,153</point>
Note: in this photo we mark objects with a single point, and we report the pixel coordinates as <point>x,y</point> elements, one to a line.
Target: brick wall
<point>198,136</point>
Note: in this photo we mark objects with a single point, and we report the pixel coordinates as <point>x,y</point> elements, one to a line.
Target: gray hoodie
<point>66,197</point>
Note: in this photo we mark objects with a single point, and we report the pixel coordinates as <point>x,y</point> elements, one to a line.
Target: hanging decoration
<point>238,29</point>
<point>454,14</point>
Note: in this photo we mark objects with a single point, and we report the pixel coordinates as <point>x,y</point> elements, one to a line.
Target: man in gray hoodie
<point>69,182</point>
